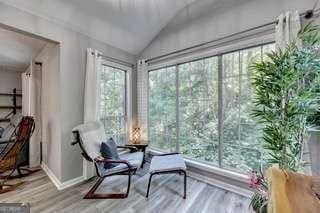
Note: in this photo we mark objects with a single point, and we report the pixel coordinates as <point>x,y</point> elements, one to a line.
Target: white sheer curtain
<point>91,98</point>
<point>287,29</point>
<point>142,85</point>
<point>31,106</point>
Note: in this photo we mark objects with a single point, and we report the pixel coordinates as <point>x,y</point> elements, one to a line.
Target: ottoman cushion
<point>167,163</point>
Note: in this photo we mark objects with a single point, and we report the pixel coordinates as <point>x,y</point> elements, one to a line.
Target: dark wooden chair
<point>11,154</point>
<point>90,148</point>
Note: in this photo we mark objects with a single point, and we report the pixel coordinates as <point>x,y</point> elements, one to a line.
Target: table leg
<point>143,159</point>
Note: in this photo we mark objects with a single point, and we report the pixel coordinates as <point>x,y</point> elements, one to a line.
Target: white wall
<point>67,99</point>
<point>50,107</point>
<point>206,20</point>
<point>8,81</point>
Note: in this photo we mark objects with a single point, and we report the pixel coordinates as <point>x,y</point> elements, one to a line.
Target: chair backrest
<point>91,134</point>
<point>10,128</point>
<point>12,155</point>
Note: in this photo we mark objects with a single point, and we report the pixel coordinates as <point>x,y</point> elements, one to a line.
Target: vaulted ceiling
<point>129,25</point>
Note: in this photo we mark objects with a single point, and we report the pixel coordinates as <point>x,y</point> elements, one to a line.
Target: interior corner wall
<point>69,98</point>
<point>50,108</point>
<point>203,21</point>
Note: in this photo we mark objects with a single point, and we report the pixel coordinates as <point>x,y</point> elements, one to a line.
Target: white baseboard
<point>61,185</point>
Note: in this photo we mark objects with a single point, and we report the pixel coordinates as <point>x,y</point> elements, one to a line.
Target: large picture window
<point>162,109</point>
<point>198,109</point>
<point>202,109</point>
<point>113,107</point>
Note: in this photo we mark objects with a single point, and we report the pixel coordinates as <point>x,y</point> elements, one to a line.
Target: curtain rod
<point>119,61</point>
<point>307,15</point>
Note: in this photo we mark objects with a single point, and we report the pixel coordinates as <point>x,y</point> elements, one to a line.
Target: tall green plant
<point>287,91</point>
<point>286,88</point>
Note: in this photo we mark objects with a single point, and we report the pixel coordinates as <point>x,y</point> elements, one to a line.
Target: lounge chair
<point>89,136</point>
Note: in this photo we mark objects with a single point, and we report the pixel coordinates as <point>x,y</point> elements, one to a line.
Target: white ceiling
<point>17,50</point>
<point>127,24</point>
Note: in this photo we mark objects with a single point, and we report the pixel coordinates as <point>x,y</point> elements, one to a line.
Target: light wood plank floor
<point>165,196</point>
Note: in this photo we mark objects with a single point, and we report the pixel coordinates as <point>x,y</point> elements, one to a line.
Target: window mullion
<point>220,111</point>
<point>240,92</point>
<point>177,110</point>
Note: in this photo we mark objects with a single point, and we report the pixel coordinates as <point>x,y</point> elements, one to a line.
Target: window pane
<point>241,151</point>
<point>268,48</point>
<point>162,109</point>
<point>112,104</point>
<point>194,131</point>
<point>247,57</point>
<point>230,116</point>
<point>198,109</point>
<point>230,64</point>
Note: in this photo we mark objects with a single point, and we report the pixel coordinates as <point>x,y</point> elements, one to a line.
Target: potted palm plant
<point>286,88</point>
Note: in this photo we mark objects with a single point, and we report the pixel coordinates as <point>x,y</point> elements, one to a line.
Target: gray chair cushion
<point>135,159</point>
<point>167,163</point>
<point>109,151</point>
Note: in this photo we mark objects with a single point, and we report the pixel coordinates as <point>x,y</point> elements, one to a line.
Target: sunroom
<point>159,106</point>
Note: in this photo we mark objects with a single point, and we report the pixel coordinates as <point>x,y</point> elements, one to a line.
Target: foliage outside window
<point>186,109</point>
<point>113,103</point>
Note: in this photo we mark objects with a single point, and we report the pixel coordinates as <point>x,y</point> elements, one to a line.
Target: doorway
<point>21,85</point>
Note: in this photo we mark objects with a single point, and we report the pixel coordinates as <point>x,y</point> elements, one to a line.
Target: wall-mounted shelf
<point>13,107</point>
<point>10,94</point>
<point>10,107</point>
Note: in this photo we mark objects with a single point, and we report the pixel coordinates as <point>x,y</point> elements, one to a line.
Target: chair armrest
<point>103,160</point>
<point>171,153</point>
<point>132,148</point>
<point>74,143</point>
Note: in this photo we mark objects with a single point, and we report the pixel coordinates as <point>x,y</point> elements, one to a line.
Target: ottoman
<point>168,164</point>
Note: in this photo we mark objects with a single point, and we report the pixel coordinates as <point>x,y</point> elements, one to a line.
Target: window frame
<point>128,93</point>
<point>216,52</point>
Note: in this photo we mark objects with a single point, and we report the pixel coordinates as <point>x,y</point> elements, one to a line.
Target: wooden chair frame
<point>10,161</point>
<point>130,170</point>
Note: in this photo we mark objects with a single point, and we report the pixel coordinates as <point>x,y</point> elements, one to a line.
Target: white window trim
<point>223,49</point>
<point>128,71</point>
